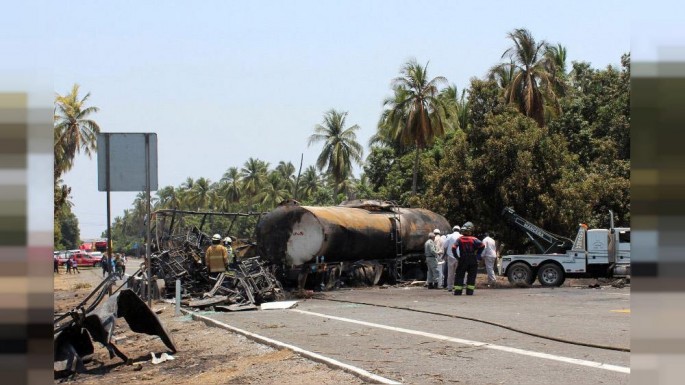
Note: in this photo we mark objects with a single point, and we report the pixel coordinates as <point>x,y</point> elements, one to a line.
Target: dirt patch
<point>206,355</point>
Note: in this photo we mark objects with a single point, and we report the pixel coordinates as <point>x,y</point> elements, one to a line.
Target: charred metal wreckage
<point>245,283</point>
<point>75,330</point>
<point>362,242</point>
<point>357,242</point>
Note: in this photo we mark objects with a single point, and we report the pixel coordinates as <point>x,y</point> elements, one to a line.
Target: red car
<point>83,258</point>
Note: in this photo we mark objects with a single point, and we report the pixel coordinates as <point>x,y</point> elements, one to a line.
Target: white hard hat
<point>216,237</point>
<point>228,240</point>
<point>436,231</point>
<point>456,228</point>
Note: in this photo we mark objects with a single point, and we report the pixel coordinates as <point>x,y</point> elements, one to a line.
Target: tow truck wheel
<point>551,274</point>
<point>520,274</point>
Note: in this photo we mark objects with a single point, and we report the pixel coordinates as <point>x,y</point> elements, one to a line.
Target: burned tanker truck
<point>359,241</point>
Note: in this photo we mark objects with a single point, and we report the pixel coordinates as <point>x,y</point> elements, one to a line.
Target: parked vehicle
<point>595,253</point>
<point>96,255</point>
<point>83,258</point>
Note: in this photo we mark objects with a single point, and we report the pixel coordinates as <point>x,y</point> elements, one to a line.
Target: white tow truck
<point>594,253</point>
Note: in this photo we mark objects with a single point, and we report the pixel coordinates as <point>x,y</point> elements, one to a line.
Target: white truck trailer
<point>594,253</point>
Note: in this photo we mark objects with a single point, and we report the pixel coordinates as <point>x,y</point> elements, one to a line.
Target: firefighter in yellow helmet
<point>216,256</point>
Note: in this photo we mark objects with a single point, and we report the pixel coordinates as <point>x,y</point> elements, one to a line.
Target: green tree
<point>532,83</point>
<point>73,130</point>
<point>273,191</point>
<point>340,146</point>
<point>253,173</point>
<point>200,195</point>
<point>310,183</point>
<point>519,164</point>
<point>230,189</point>
<point>287,172</point>
<point>69,230</point>
<point>168,198</point>
<point>417,114</point>
<point>454,106</point>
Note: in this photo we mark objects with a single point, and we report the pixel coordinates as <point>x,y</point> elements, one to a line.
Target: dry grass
<point>81,285</point>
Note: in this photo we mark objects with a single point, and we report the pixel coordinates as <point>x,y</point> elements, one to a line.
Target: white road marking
<point>365,375</point>
<point>575,361</point>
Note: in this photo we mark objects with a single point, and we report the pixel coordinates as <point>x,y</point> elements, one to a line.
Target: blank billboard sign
<point>127,161</point>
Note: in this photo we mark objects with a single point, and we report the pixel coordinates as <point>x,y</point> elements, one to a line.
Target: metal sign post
<point>147,229</point>
<point>109,217</point>
<point>128,162</point>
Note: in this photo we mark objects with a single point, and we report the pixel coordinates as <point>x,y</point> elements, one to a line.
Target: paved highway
<point>421,341</point>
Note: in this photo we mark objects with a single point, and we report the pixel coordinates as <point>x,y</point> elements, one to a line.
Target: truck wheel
<point>520,274</point>
<point>550,274</point>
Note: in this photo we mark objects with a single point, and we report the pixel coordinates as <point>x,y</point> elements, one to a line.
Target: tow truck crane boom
<point>544,241</point>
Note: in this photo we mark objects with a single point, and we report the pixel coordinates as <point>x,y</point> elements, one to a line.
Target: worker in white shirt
<point>439,248</point>
<point>489,257</point>
<point>451,259</point>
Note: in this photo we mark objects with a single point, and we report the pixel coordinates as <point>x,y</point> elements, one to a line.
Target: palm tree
<point>199,195</point>
<point>167,198</point>
<point>253,175</point>
<point>556,59</point>
<point>454,105</point>
<point>531,82</point>
<point>73,130</point>
<point>555,62</point>
<point>416,115</point>
<point>184,193</point>
<point>503,74</point>
<point>385,135</point>
<point>231,185</point>
<point>287,171</point>
<point>340,146</point>
<point>273,191</point>
<point>310,183</point>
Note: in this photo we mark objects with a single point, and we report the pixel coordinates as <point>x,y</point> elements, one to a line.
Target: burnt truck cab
<point>594,253</point>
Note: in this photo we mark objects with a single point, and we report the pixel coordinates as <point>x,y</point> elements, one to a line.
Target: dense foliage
<point>551,143</point>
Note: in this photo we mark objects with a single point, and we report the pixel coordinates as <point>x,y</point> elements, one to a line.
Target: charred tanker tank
<point>343,239</point>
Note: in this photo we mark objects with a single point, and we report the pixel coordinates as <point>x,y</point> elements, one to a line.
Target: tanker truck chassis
<point>362,241</point>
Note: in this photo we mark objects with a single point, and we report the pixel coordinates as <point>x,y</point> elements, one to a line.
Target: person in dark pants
<point>74,265</point>
<point>56,264</point>
<point>68,263</point>
<point>105,266</point>
<point>470,249</point>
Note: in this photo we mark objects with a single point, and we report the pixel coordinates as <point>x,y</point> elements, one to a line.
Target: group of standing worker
<point>116,265</point>
<point>459,253</point>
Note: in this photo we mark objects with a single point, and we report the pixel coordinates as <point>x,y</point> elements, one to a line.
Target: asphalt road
<point>415,347</point>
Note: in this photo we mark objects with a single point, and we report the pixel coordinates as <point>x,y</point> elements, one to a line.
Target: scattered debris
<point>278,305</point>
<point>236,307</point>
<point>162,358</point>
<point>245,282</point>
<point>75,331</point>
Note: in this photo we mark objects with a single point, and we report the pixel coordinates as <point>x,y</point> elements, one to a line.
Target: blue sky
<point>220,82</point>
